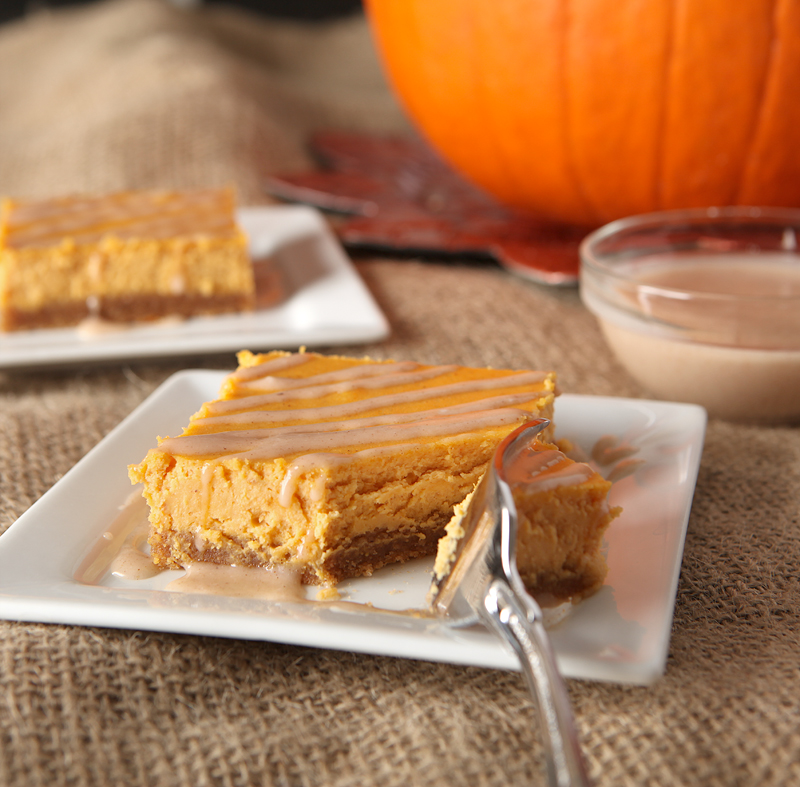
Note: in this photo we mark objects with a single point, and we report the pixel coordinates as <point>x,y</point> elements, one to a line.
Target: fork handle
<point>508,616</point>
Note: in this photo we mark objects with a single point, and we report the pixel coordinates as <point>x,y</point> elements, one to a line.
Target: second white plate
<point>324,302</point>
<point>620,634</point>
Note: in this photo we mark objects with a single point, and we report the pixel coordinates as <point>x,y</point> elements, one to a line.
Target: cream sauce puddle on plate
<point>122,550</point>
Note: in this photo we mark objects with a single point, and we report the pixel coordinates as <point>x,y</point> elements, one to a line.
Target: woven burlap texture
<point>135,93</point>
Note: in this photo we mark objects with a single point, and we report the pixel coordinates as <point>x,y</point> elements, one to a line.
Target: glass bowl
<point>703,306</point>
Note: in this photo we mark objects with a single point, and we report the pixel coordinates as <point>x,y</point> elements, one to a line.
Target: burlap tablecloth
<point>134,93</point>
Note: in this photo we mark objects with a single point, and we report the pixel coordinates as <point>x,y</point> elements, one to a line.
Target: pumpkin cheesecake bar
<point>125,257</point>
<point>327,465</point>
<point>562,514</point>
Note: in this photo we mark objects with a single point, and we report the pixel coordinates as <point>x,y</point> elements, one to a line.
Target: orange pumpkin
<point>587,110</point>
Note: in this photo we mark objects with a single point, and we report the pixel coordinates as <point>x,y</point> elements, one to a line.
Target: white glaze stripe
<point>322,461</point>
<point>312,391</point>
<point>515,380</point>
<point>539,471</point>
<point>319,415</point>
<point>271,366</point>
<point>351,374</point>
<point>266,444</point>
<point>124,216</point>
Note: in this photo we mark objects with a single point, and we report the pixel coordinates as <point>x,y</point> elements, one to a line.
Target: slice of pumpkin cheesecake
<point>330,466</point>
<point>562,511</point>
<point>119,258</point>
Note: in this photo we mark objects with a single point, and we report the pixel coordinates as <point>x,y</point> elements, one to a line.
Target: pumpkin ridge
<point>661,132</point>
<point>758,118</point>
<point>517,175</point>
<point>773,177</point>
<point>484,100</point>
<point>592,212</point>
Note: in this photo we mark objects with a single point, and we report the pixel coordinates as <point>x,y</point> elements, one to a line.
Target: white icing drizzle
<point>299,467</point>
<point>518,379</point>
<point>127,215</point>
<point>177,284</point>
<point>133,561</point>
<point>308,544</point>
<point>279,364</point>
<point>96,326</point>
<point>565,476</point>
<point>318,416</point>
<point>95,267</point>
<point>206,477</point>
<point>271,383</point>
<point>93,306</point>
<point>273,443</point>
<point>608,450</point>
<point>324,462</point>
<point>273,584</point>
<point>545,470</point>
<point>306,391</point>
<point>123,530</point>
<point>268,418</point>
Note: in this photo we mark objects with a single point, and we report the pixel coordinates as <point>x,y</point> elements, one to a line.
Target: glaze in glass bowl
<point>703,306</point>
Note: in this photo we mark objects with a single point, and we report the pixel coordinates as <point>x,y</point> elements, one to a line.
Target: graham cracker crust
<point>124,309</point>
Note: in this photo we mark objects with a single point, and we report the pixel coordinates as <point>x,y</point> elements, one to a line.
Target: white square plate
<point>325,302</point>
<point>620,634</point>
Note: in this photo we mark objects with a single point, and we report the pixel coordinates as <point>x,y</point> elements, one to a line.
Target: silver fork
<point>483,584</point>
